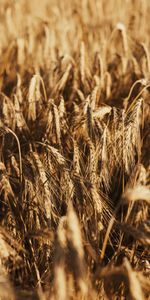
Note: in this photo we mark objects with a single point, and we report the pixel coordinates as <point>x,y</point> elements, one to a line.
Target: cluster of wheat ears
<point>74,149</point>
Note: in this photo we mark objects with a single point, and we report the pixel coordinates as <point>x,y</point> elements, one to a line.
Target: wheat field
<point>74,150</point>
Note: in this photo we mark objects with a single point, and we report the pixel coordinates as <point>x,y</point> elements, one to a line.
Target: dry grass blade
<point>134,284</point>
<point>136,194</point>
<point>6,289</point>
<point>60,272</point>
